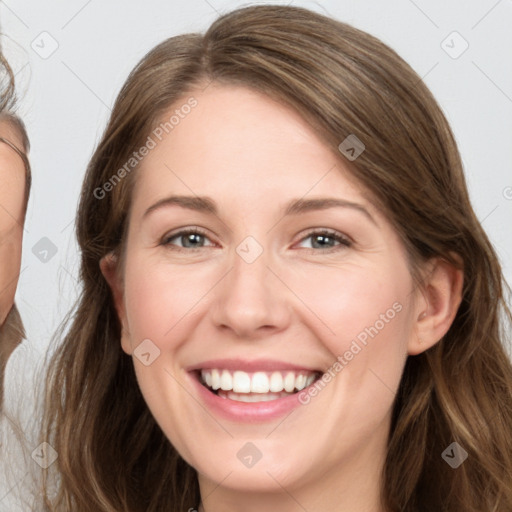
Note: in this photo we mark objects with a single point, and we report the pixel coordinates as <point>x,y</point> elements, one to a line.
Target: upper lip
<point>249,366</point>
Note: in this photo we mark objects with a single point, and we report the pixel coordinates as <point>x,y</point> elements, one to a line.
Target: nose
<point>252,299</point>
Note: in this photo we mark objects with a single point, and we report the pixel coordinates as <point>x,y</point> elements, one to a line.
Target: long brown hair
<point>112,454</point>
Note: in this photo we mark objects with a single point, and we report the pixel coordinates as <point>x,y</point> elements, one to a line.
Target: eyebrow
<point>294,207</point>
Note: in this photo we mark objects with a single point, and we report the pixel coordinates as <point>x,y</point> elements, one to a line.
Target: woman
<point>288,302</point>
<point>14,190</point>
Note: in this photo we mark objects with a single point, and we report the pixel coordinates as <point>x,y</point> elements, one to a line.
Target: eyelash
<point>344,241</point>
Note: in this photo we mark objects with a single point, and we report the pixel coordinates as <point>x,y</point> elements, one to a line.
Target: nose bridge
<point>251,296</point>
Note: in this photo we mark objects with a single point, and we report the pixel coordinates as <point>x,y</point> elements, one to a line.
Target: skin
<point>12,206</point>
<point>297,302</point>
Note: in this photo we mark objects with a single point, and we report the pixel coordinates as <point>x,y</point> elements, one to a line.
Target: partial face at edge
<point>12,208</point>
<point>259,289</point>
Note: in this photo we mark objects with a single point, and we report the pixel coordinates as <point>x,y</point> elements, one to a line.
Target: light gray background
<point>67,98</point>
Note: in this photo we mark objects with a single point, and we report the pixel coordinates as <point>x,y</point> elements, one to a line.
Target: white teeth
<point>259,383</point>
<point>241,382</point>
<point>300,382</point>
<point>215,379</point>
<point>289,382</point>
<point>253,397</point>
<point>264,383</point>
<point>276,382</point>
<point>226,381</point>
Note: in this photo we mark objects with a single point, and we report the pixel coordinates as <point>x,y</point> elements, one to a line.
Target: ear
<point>437,304</point>
<point>109,266</point>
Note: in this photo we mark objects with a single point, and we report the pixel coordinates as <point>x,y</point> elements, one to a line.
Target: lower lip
<point>246,411</point>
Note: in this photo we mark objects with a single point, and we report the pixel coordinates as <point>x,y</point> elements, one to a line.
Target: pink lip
<point>265,365</point>
<point>241,412</point>
<point>245,411</point>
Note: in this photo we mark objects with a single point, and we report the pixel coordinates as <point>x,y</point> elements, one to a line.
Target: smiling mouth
<point>255,386</point>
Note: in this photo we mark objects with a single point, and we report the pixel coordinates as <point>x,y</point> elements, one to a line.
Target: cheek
<point>160,298</point>
<point>365,323</point>
<point>355,302</point>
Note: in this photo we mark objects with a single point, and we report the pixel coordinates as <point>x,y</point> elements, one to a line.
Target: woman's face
<point>292,272</point>
<point>12,207</point>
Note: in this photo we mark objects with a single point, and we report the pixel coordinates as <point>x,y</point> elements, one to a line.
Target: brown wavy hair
<point>112,454</point>
<point>12,331</point>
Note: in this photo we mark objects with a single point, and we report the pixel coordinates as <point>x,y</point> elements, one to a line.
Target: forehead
<point>236,140</point>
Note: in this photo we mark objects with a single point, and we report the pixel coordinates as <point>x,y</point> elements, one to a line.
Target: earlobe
<point>441,295</point>
<point>109,269</point>
<point>126,343</point>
